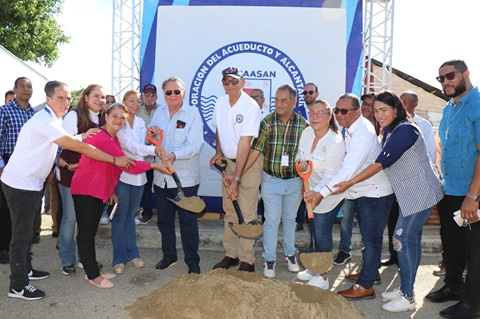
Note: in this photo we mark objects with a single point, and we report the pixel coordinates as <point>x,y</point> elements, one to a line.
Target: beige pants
<point>248,191</point>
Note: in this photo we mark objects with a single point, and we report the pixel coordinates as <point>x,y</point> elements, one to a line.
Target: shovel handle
<point>306,185</point>
<point>152,139</point>
<point>168,164</point>
<point>222,167</point>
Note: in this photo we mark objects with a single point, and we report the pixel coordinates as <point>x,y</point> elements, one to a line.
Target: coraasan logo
<point>264,66</point>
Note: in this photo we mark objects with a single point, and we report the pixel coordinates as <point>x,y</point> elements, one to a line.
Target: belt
<point>231,159</point>
<point>279,177</point>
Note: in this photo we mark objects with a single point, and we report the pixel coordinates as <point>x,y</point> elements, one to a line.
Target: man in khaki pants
<point>237,118</point>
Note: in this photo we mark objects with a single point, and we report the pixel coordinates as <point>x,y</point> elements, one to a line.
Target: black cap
<point>372,95</point>
<point>233,72</point>
<point>150,88</point>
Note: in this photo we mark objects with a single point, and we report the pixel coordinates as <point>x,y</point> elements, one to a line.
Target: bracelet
<point>113,161</point>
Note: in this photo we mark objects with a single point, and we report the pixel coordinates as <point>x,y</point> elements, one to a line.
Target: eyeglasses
<point>232,81</point>
<point>449,76</point>
<point>135,101</point>
<point>310,92</point>
<point>109,102</point>
<point>256,97</point>
<point>169,92</point>
<point>149,95</point>
<point>64,99</point>
<point>343,111</point>
<point>318,114</point>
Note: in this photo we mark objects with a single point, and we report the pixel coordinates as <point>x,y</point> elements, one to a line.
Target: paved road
<point>72,297</point>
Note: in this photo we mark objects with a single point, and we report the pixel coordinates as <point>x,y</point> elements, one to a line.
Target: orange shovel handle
<point>306,185</point>
<point>154,141</point>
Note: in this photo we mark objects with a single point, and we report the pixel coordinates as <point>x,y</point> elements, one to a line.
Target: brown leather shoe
<point>357,292</point>
<point>227,262</point>
<point>246,267</point>
<point>354,278</point>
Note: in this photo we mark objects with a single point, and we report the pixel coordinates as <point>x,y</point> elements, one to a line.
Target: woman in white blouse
<point>322,144</point>
<point>129,189</point>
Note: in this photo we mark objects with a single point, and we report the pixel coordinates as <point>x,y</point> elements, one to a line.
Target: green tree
<point>28,29</point>
<point>76,96</point>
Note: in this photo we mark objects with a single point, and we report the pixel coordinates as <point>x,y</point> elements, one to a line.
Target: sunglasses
<point>169,92</point>
<point>318,114</point>
<point>310,92</point>
<point>449,76</point>
<point>343,111</point>
<point>109,102</point>
<point>232,81</point>
<point>256,97</point>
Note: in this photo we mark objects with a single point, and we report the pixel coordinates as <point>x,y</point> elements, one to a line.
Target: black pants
<point>461,245</point>
<point>88,211</point>
<point>392,222</point>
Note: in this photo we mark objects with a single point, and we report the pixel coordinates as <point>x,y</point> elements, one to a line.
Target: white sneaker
<point>390,295</point>
<point>104,220</point>
<point>137,221</point>
<point>399,304</point>
<point>305,275</point>
<point>269,269</point>
<point>292,265</point>
<point>319,282</point>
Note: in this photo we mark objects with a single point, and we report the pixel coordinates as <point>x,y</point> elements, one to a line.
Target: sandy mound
<point>238,294</point>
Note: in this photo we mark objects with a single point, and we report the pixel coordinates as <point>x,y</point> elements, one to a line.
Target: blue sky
<point>426,33</point>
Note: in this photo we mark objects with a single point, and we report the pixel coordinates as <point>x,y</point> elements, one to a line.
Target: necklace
<point>449,121</point>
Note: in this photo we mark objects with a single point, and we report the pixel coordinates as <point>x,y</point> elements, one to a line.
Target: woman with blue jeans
<point>322,144</point>
<point>129,189</point>
<point>416,185</point>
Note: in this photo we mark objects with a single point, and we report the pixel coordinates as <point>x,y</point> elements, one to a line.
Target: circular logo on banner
<point>264,67</point>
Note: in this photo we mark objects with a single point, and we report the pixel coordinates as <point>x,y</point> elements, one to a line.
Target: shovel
<point>252,229</point>
<point>306,185</point>
<point>318,263</point>
<point>194,203</point>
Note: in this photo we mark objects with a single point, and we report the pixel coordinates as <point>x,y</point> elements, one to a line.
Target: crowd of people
<point>371,157</point>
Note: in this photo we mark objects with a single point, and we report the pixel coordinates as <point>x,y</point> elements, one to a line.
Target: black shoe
<point>68,270</point>
<point>246,267</point>
<point>193,269</point>
<point>341,258</point>
<point>55,234</point>
<point>36,274</point>
<point>36,238</point>
<point>458,310</point>
<point>28,293</point>
<point>4,257</point>
<point>299,227</point>
<point>389,261</point>
<point>165,264</point>
<point>226,263</point>
<point>442,295</point>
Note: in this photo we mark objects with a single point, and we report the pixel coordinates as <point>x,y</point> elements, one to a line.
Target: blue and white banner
<point>285,43</point>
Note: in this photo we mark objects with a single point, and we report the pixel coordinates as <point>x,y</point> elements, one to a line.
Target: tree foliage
<point>28,29</point>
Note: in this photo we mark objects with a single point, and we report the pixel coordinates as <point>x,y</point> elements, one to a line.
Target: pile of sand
<point>238,294</point>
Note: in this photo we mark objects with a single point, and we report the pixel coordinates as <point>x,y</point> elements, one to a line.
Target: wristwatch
<point>236,178</point>
<point>475,198</point>
<point>66,166</point>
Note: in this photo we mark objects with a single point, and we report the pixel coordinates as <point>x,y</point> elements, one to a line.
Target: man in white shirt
<point>372,198</point>
<point>23,178</point>
<point>237,118</point>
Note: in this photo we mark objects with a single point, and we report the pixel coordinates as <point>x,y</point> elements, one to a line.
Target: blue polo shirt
<point>459,133</point>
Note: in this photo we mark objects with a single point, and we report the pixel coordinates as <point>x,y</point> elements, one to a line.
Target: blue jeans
<point>372,219</point>
<point>23,205</point>
<point>407,241</point>
<point>281,198</point>
<point>123,224</point>
<point>67,250</point>
<point>346,225</point>
<point>188,225</point>
<point>323,229</point>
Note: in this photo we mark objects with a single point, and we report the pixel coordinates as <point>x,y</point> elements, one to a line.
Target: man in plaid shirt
<point>278,140</point>
<point>13,116</point>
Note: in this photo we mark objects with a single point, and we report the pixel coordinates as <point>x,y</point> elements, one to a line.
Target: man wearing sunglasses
<point>459,133</point>
<point>147,111</point>
<point>237,118</point>
<point>371,198</point>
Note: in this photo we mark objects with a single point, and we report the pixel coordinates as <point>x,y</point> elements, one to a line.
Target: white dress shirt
<point>427,131</point>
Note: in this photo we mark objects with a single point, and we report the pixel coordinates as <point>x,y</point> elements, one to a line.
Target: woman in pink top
<point>94,184</point>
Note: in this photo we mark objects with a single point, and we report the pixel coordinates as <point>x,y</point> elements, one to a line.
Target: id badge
<point>285,159</point>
